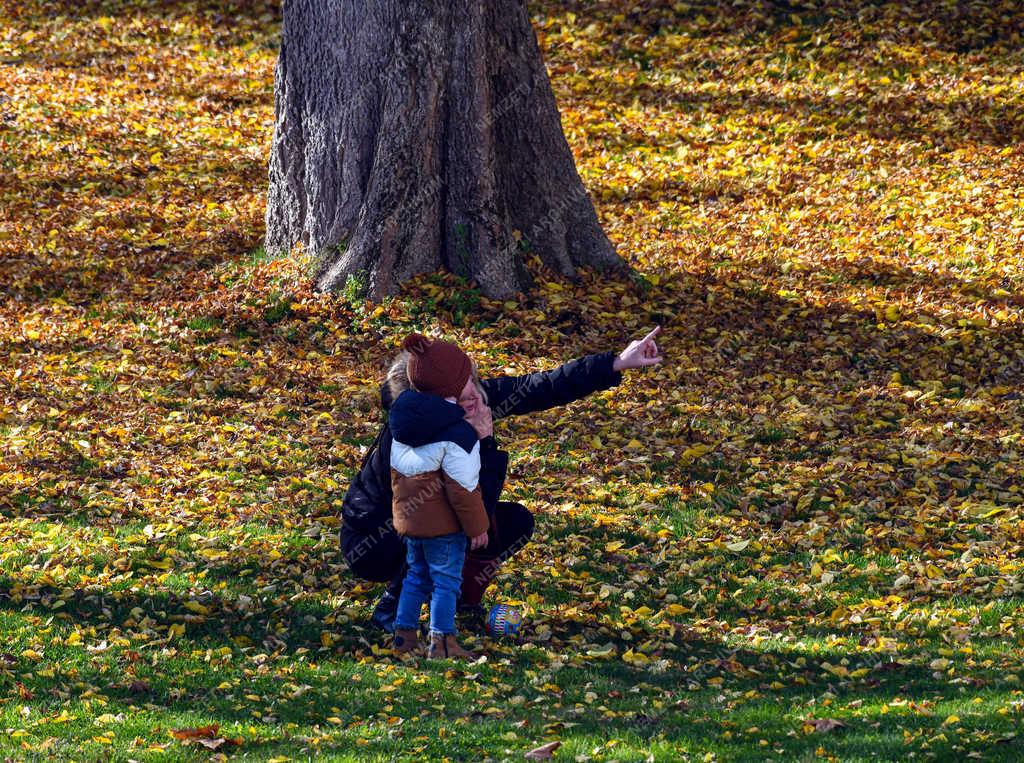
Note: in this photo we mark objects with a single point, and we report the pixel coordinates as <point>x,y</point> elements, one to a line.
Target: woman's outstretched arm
<point>516,395</point>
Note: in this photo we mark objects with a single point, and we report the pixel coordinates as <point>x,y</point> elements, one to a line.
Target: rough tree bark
<point>411,136</point>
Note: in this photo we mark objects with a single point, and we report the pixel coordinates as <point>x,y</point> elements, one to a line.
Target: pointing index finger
<point>653,333</point>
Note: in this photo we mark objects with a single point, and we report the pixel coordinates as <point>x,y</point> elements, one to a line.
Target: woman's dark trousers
<point>380,555</point>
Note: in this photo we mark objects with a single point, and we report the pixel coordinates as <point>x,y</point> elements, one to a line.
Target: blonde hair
<point>397,379</point>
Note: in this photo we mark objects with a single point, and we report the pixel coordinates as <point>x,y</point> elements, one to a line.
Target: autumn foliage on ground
<point>799,537</point>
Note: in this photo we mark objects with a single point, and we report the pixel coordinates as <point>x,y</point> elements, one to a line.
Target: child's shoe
<point>446,647</point>
<point>405,641</point>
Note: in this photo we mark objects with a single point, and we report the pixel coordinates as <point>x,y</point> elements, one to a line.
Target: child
<point>437,504</point>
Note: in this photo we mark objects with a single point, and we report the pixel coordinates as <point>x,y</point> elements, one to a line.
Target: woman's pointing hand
<point>639,353</point>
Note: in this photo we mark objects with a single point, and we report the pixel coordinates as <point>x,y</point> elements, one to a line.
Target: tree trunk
<point>411,136</point>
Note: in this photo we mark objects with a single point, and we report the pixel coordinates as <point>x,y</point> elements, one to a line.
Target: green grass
<point>261,630</point>
<point>303,699</point>
<point>684,518</point>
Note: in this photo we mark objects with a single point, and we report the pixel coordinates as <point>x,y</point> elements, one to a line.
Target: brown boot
<point>405,641</point>
<point>446,647</point>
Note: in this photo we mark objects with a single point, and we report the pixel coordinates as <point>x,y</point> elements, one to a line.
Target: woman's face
<point>470,398</point>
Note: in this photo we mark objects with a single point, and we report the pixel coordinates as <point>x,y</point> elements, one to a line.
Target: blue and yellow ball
<point>504,620</point>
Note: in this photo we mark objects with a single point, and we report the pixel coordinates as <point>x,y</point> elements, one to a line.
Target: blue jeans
<point>435,572</point>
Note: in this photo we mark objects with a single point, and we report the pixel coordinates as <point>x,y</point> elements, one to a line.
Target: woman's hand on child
<point>482,422</point>
<point>478,542</point>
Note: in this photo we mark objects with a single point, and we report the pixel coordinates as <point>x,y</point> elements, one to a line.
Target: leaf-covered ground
<point>800,537</point>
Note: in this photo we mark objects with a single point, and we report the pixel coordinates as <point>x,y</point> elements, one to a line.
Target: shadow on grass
<point>288,620</point>
<point>711,687</point>
<point>752,334</point>
<point>882,116</point>
<point>220,12</point>
<point>116,268</point>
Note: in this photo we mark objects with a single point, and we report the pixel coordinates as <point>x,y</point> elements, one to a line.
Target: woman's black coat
<point>367,505</point>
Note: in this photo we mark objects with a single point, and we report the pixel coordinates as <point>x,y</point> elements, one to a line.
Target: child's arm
<point>460,471</point>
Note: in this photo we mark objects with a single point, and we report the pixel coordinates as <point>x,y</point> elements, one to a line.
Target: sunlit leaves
<point>801,529</point>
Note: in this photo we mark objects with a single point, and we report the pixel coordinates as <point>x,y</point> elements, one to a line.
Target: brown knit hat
<point>435,366</point>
